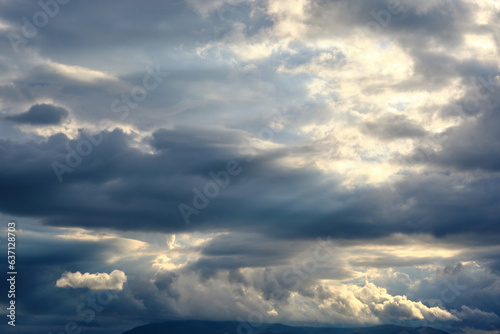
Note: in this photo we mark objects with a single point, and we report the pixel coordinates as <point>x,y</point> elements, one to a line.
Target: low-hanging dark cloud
<point>40,114</point>
<point>285,203</point>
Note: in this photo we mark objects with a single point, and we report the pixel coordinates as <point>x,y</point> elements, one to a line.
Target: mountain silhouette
<point>233,327</point>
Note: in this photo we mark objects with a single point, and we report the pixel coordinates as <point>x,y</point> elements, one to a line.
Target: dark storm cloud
<point>265,197</point>
<point>165,281</point>
<point>50,251</point>
<point>474,145</point>
<point>152,183</point>
<point>40,114</point>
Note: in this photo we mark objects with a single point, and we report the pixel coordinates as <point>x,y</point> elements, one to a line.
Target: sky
<point>303,162</point>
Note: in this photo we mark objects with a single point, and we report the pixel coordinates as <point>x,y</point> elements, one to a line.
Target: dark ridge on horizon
<point>233,327</point>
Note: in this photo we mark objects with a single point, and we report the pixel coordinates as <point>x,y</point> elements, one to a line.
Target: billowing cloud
<point>97,281</point>
<point>370,302</point>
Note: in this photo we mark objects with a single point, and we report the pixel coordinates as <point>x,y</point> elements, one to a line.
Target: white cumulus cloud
<point>97,281</point>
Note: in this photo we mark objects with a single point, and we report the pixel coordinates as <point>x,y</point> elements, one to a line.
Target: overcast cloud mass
<point>295,161</point>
